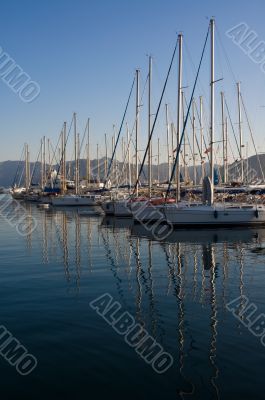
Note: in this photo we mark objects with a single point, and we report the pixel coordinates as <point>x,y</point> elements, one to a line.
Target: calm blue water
<point>178,289</point>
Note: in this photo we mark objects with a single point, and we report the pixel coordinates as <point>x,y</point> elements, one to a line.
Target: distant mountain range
<point>13,171</point>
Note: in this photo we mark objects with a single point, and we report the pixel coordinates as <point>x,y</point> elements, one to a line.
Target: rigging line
<point>181,153</point>
<point>186,119</point>
<point>231,149</point>
<point>115,147</point>
<point>23,169</point>
<point>131,141</point>
<point>188,140</point>
<point>16,175</point>
<point>225,54</point>
<point>204,141</point>
<point>51,161</point>
<point>57,144</point>
<point>83,139</point>
<point>134,125</point>
<point>141,98</point>
<point>21,176</point>
<point>125,158</point>
<point>252,138</point>
<point>156,116</point>
<point>219,58</point>
<point>196,139</point>
<point>194,70</point>
<point>34,168</point>
<point>201,86</point>
<point>206,124</point>
<point>232,126</point>
<point>167,101</point>
<point>63,150</point>
<point>190,118</point>
<point>54,154</point>
<point>131,134</point>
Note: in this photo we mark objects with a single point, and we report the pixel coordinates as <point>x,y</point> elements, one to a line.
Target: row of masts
<point>170,145</point>
<point>172,142</point>
<point>180,118</point>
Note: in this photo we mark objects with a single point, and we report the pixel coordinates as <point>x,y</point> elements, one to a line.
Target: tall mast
<point>193,141</point>
<point>75,138</point>
<point>63,178</point>
<point>201,132</point>
<point>98,164</point>
<point>88,153</point>
<point>122,155</point>
<point>226,154</point>
<point>41,164</point>
<point>168,153</point>
<point>112,150</point>
<point>44,160</point>
<point>180,37</point>
<point>149,129</point>
<point>158,160</point>
<point>106,155</point>
<point>29,172</point>
<point>78,161</point>
<point>240,133</point>
<point>223,135</point>
<point>247,164</point>
<point>129,156</point>
<point>115,155</point>
<point>212,109</point>
<point>184,140</point>
<point>64,152</point>
<point>137,129</point>
<point>172,142</point>
<point>27,168</point>
<point>49,155</point>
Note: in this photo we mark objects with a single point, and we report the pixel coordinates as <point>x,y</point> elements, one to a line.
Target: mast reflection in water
<point>177,289</point>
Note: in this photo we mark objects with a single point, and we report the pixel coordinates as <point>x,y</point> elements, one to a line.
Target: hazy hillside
<point>11,169</point>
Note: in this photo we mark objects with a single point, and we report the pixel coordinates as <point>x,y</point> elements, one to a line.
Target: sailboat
<point>17,192</point>
<point>208,213</point>
<point>119,205</point>
<point>134,205</point>
<point>77,199</point>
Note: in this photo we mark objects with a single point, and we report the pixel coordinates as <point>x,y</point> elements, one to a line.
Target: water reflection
<point>177,288</point>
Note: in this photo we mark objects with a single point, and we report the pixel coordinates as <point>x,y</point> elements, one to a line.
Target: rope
<point>156,116</point>
<point>118,137</point>
<point>186,119</point>
<point>252,138</point>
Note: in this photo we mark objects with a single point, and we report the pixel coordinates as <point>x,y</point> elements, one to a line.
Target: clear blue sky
<point>83,55</point>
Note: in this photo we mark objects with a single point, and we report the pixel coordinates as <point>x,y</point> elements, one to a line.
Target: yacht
<point>76,200</point>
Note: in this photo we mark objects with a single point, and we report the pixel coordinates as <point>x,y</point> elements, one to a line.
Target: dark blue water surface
<point>177,289</point>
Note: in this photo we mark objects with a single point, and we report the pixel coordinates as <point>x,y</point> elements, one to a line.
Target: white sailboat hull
<point>149,213</point>
<point>152,212</point>
<point>215,215</point>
